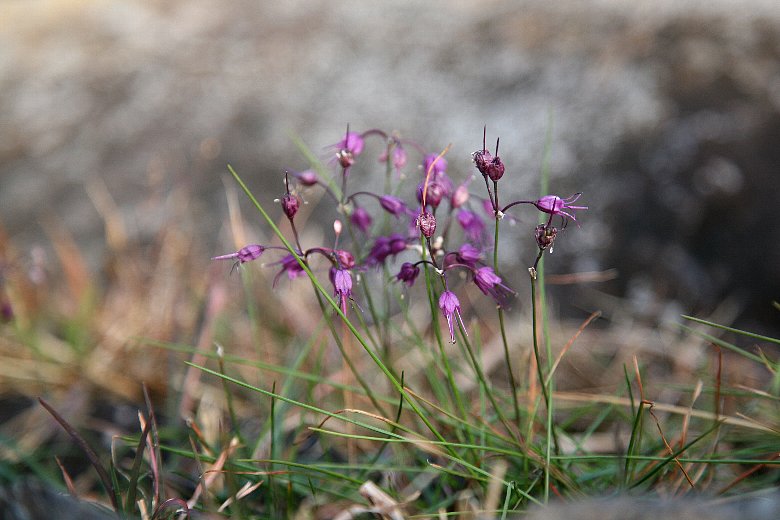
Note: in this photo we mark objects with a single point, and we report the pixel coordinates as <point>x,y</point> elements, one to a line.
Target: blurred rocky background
<point>665,113</point>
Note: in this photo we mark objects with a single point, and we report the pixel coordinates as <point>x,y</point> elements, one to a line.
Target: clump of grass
<point>391,369</point>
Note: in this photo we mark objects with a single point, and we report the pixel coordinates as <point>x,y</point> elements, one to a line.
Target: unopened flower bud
<point>392,204</point>
<point>427,224</point>
<point>545,236</point>
<point>408,273</point>
<point>361,219</point>
<point>290,205</point>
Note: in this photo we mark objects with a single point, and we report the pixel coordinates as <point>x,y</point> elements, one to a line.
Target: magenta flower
<point>554,205</point>
<point>491,285</point>
<point>349,148</point>
<point>290,266</point>
<point>450,306</point>
<point>307,177</point>
<point>408,273</point>
<point>439,167</point>
<point>243,255</point>
<point>460,195</point>
<point>397,156</point>
<point>471,223</point>
<point>468,254</point>
<point>342,285</point>
<point>384,247</point>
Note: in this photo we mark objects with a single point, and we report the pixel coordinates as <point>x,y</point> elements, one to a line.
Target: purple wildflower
<point>243,255</point>
<point>361,219</point>
<point>290,266</point>
<point>450,306</point>
<point>471,223</point>
<point>398,156</point>
<point>439,167</point>
<point>307,177</point>
<point>491,285</point>
<point>349,148</point>
<point>468,254</point>
<point>384,247</point>
<point>408,273</point>
<point>342,285</point>
<point>460,195</point>
<point>554,205</point>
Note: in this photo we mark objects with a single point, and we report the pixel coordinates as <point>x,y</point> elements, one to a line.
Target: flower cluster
<point>439,227</point>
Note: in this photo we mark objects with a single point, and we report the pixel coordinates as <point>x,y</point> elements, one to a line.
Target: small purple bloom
<point>353,143</point>
<point>469,254</point>
<point>290,266</point>
<point>471,223</point>
<point>398,156</point>
<point>408,273</point>
<point>554,205</point>
<point>491,285</point>
<point>392,204</point>
<point>349,148</point>
<point>450,306</point>
<point>307,177</point>
<point>243,255</point>
<point>342,285</point>
<point>361,219</point>
<point>384,247</point>
<point>439,167</point>
<point>460,196</point>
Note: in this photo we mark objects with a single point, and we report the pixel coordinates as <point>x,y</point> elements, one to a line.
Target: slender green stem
<point>502,326</point>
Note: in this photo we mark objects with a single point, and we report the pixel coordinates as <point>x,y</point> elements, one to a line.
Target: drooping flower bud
<point>361,219</point>
<point>408,273</point>
<point>392,204</point>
